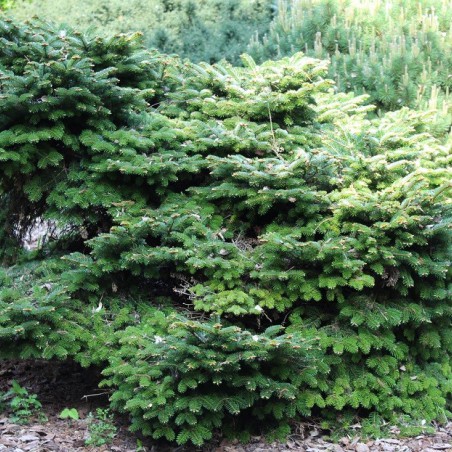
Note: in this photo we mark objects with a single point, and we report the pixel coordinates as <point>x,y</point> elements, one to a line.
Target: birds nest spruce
<point>234,243</point>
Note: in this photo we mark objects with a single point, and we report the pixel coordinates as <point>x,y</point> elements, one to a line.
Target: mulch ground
<point>60,385</point>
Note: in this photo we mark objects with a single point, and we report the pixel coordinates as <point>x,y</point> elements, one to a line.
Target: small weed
<point>140,447</point>
<point>23,405</point>
<point>101,428</point>
<point>70,413</point>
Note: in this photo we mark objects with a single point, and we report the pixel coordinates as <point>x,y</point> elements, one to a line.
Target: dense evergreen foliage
<point>224,241</point>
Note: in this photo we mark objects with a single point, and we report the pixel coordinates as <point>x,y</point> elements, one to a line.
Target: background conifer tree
<point>397,52</point>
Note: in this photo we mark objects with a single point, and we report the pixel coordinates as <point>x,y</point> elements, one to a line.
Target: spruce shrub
<point>255,196</point>
<point>201,376</point>
<point>59,91</point>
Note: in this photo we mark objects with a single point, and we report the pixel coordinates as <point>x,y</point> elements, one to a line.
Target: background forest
<point>244,208</point>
